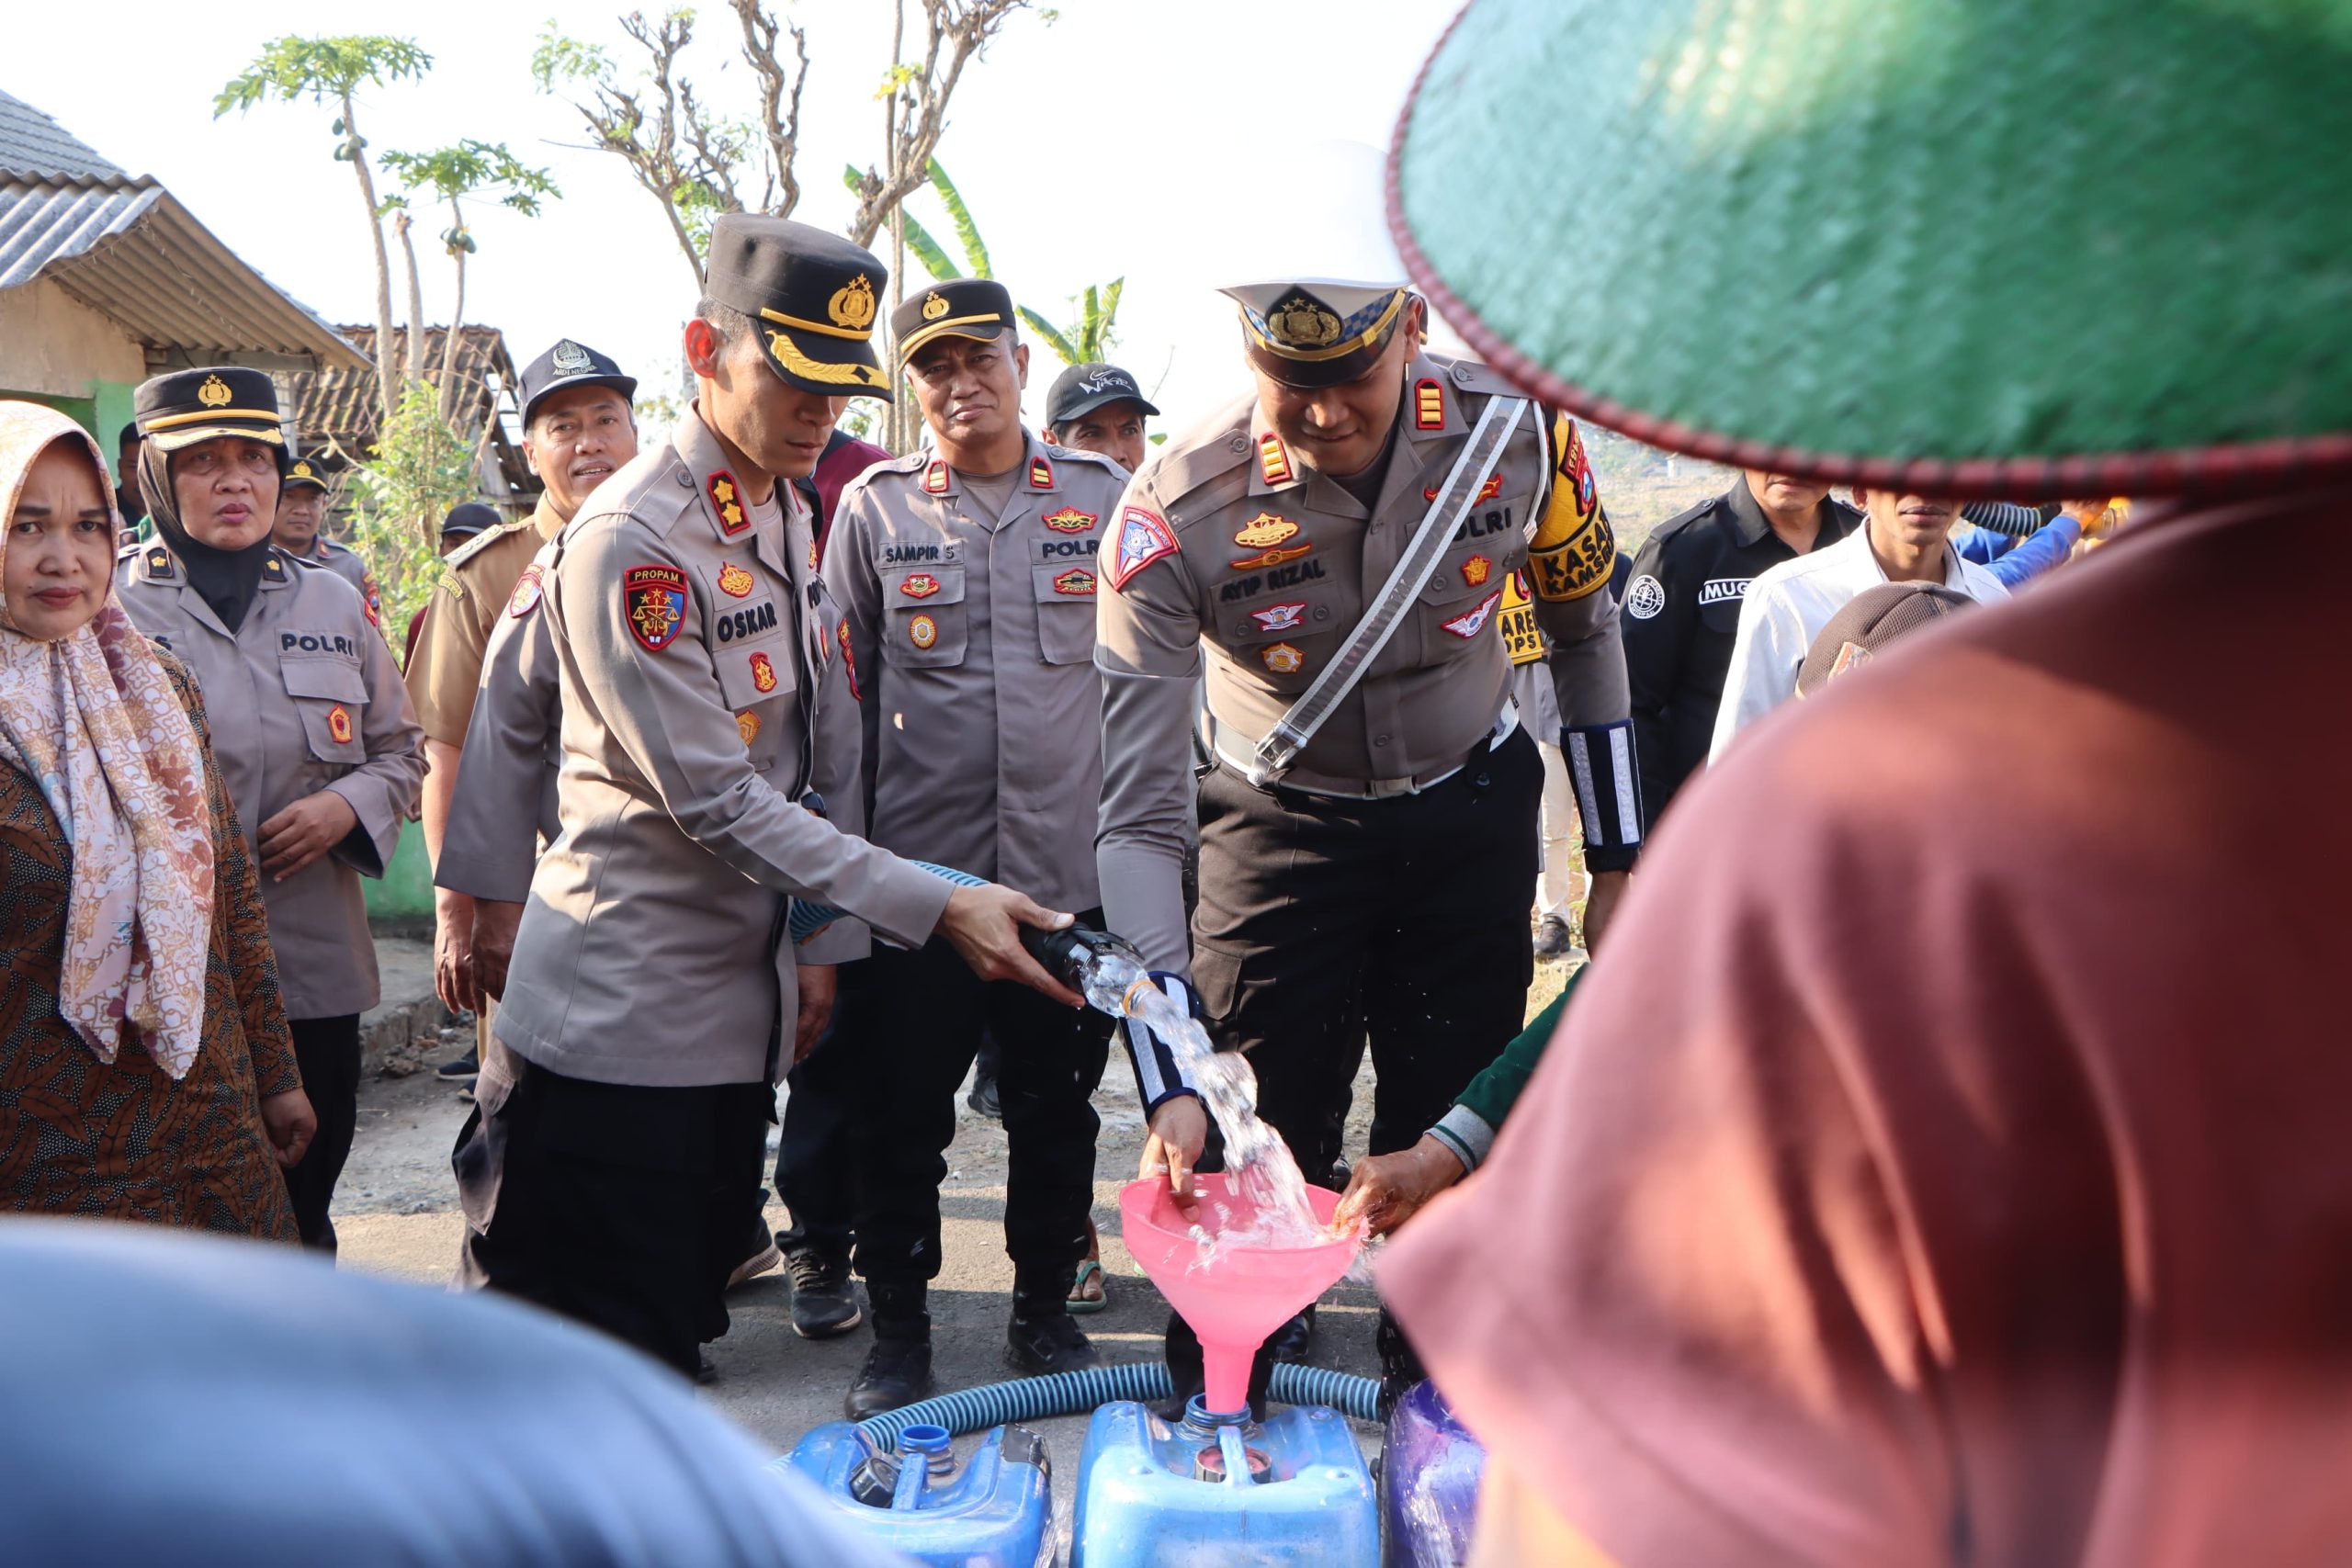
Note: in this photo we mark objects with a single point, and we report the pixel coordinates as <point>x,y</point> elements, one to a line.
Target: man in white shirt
<point>1903,539</point>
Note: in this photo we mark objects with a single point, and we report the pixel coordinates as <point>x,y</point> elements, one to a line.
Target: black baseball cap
<point>302,471</point>
<point>468,517</point>
<point>813,295</point>
<point>1082,388</point>
<point>977,308</point>
<point>1866,622</point>
<point>187,406</point>
<point>568,364</point>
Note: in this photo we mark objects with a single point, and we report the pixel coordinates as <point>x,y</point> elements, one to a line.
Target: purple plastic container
<point>1430,1470</point>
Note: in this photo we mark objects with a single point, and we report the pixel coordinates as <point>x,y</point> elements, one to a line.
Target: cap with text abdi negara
<point>812,295</point>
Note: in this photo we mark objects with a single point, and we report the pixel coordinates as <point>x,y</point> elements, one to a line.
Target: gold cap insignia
<point>301,470</point>
<point>934,307</point>
<point>214,393</point>
<point>853,305</point>
<point>1300,322</point>
<point>570,358</point>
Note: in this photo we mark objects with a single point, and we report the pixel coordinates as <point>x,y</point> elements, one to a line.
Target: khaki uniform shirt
<point>974,631</point>
<point>304,696</point>
<point>704,692</point>
<point>477,579</point>
<point>513,752</point>
<point>1230,553</point>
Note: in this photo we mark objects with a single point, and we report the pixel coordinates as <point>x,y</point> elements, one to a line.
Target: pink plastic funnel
<point>1241,1293</point>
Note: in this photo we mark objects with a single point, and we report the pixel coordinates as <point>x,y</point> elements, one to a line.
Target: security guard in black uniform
<point>1682,607</point>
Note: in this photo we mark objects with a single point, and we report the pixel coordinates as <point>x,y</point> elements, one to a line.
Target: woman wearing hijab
<point>318,749</point>
<point>145,1070</point>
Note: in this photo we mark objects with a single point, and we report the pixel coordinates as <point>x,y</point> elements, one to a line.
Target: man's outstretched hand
<point>984,925</point>
<point>1178,1130</point>
<point>1384,1191</point>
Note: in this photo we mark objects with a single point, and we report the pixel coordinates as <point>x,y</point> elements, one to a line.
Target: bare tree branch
<point>953,31</point>
<point>779,100</point>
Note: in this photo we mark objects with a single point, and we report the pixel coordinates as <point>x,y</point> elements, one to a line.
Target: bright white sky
<point>1184,143</point>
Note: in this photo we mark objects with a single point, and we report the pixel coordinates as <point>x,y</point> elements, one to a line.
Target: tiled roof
<point>341,405</point>
<point>33,144</point>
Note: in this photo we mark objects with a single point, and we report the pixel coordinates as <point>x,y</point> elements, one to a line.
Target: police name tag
<point>1517,619</point>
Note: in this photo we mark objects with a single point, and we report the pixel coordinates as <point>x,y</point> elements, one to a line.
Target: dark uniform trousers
<point>1322,918</point>
<point>905,1027</point>
<point>327,1050</point>
<point>816,1168</point>
<point>618,1205</point>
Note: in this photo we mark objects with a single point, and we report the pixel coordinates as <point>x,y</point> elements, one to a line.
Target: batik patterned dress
<point>81,1137</point>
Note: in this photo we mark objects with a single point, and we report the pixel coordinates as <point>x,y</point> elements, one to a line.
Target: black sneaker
<point>1553,939</point>
<point>761,1254</point>
<point>897,1372</point>
<point>983,1099</point>
<point>461,1069</point>
<point>1050,1342</point>
<point>824,1303</point>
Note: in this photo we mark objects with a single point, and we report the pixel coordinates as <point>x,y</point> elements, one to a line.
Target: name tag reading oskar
<point>1517,619</point>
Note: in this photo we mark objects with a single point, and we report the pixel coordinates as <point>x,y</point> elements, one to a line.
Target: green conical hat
<point>2035,247</point>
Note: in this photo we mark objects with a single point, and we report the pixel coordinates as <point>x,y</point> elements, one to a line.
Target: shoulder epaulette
<point>1072,455</point>
<point>481,542</point>
<point>1473,376</point>
<point>1199,456</point>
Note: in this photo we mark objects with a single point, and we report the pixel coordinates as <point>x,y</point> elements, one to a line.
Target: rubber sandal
<point>1081,1305</point>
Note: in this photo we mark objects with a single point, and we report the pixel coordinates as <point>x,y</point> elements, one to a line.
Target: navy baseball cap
<point>570,364</point>
<point>1082,388</point>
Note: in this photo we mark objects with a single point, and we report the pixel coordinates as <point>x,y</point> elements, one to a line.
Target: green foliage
<point>927,249</point>
<point>319,68</point>
<point>968,233</point>
<point>417,472</point>
<point>1087,338</point>
<point>560,59</point>
<point>472,168</point>
<point>1053,335</point>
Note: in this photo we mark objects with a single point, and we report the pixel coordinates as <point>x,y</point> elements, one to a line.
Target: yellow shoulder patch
<point>1574,549</point>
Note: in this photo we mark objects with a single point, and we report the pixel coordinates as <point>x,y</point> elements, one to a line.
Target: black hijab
<point>227,580</point>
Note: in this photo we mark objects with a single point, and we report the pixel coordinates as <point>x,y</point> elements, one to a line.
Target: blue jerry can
<point>1293,1491</point>
<point>1430,1470</point>
<point>995,1515</point>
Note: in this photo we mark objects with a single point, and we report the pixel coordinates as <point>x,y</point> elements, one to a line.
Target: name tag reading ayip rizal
<point>1517,619</point>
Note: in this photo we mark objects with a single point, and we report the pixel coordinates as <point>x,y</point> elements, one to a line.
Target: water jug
<point>1291,1491</point>
<point>1430,1469</point>
<point>995,1514</point>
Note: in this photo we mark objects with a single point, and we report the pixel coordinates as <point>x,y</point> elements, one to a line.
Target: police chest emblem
<point>1144,537</point>
<point>726,500</point>
<point>849,663</point>
<point>1068,520</point>
<point>734,581</point>
<point>339,724</point>
<point>653,602</point>
<point>1264,530</point>
<point>1470,623</point>
<point>1272,558</point>
<point>762,673</point>
<point>1282,659</point>
<point>1075,582</point>
<point>1488,492</point>
<point>1645,598</point>
<point>1279,617</point>
<point>527,588</point>
<point>923,631</point>
<point>919,585</point>
<point>747,725</point>
<point>1722,589</point>
<point>1476,570</point>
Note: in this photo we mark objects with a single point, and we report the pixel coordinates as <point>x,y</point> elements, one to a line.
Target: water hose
<point>1074,1394</point>
<point>805,920</point>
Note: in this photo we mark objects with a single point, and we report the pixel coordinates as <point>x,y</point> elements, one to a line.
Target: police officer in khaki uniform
<point>968,576</point>
<point>710,772</point>
<point>310,726</point>
<point>1379,875</point>
<point>579,427</point>
<point>300,530</point>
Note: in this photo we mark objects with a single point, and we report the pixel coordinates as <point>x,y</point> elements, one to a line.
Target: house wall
<point>57,350</point>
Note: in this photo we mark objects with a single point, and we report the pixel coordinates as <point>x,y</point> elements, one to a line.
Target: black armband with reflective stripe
<point>1608,783</point>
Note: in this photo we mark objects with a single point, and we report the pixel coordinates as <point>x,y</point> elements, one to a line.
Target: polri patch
<point>747,725</point>
<point>762,673</point>
<point>919,585</point>
<point>1144,537</point>
<point>1075,582</point>
<point>653,602</point>
<point>339,724</point>
<point>1068,520</point>
<point>1476,570</point>
<point>923,631</point>
<point>1470,623</point>
<point>849,664</point>
<point>1282,659</point>
<point>726,500</point>
<point>527,588</point>
<point>734,581</point>
<point>1429,404</point>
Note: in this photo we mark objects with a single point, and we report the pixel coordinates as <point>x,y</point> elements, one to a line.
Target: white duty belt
<point>1296,726</point>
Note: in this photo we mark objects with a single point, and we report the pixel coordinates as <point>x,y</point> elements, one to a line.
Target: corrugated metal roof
<point>33,144</point>
<point>129,249</point>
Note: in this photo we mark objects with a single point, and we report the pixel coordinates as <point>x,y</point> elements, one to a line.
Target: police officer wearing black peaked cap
<point>710,738</point>
<point>310,729</point>
<point>299,531</point>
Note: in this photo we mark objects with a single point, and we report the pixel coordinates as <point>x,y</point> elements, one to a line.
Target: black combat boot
<point>824,1302</point>
<point>897,1369</point>
<point>1042,1336</point>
